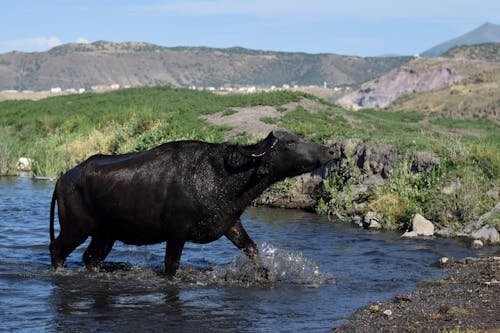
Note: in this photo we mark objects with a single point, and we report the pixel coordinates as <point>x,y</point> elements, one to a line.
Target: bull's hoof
<point>93,268</point>
<point>58,269</point>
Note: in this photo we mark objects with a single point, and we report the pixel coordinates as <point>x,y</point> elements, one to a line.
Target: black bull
<point>177,192</point>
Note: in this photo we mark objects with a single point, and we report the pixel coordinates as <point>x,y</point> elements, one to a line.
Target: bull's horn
<point>260,149</point>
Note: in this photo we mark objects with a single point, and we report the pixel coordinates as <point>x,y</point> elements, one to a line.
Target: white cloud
<point>29,44</point>
<point>82,40</point>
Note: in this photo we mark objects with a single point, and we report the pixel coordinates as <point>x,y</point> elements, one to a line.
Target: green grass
<point>59,132</point>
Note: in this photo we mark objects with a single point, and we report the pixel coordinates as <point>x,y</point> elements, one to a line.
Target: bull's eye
<point>291,145</point>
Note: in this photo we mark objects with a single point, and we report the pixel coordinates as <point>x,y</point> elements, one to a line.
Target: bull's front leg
<point>173,257</point>
<point>239,237</point>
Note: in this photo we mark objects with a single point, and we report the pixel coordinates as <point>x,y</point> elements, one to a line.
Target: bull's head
<point>281,154</point>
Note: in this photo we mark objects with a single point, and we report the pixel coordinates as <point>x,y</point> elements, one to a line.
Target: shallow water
<point>319,273</point>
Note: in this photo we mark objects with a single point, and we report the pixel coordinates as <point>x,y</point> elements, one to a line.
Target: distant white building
<point>55,90</point>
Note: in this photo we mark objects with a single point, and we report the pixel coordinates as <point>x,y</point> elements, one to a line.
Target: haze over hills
<point>137,64</point>
<point>486,33</point>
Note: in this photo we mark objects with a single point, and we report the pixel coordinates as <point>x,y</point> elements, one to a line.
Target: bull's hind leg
<point>97,251</point>
<point>75,228</point>
<point>173,257</point>
<point>63,245</point>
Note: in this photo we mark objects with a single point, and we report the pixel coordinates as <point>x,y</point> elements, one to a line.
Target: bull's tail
<point>52,209</point>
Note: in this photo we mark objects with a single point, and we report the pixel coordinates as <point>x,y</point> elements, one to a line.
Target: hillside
<point>486,33</point>
<point>486,52</point>
<point>477,97</point>
<point>430,74</point>
<point>138,64</point>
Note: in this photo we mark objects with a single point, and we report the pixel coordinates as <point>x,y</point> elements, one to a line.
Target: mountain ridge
<point>138,63</point>
<point>485,33</point>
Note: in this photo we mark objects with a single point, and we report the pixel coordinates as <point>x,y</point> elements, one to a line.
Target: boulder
<point>422,226</point>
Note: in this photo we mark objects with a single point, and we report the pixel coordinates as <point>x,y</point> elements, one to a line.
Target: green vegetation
<point>59,132</point>
<point>408,193</point>
<point>269,120</point>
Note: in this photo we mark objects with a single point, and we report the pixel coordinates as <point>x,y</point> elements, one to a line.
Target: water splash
<point>274,266</point>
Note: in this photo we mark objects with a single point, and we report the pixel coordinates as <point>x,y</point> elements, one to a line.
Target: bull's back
<point>137,196</point>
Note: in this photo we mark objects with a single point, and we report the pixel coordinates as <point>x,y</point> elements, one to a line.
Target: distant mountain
<point>486,33</point>
<point>137,64</point>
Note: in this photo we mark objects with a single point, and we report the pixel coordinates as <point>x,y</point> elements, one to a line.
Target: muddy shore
<point>468,300</point>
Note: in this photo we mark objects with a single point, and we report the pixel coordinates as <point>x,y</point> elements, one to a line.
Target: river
<point>319,273</point>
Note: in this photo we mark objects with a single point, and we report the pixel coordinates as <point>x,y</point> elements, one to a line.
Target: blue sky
<point>364,27</point>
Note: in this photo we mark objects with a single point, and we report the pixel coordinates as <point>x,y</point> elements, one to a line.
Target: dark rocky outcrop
<point>368,164</point>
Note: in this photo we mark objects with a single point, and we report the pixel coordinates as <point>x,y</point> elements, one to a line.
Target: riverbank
<point>377,186</point>
<point>466,301</point>
<point>388,166</point>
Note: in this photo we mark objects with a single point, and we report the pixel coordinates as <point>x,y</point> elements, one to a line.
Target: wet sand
<point>468,300</point>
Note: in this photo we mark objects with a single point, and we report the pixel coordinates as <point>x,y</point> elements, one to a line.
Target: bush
<point>407,193</point>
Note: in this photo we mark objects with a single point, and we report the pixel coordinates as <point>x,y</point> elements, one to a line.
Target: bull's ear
<point>259,149</point>
<point>235,162</point>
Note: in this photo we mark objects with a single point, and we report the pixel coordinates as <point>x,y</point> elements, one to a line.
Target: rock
<point>492,193</point>
<point>301,192</point>
<point>488,234</point>
<point>374,308</point>
<point>477,244</point>
<point>483,219</point>
<point>387,313</point>
<point>357,220</point>
<point>443,260</point>
<point>451,187</point>
<point>422,226</point>
<point>24,164</point>
<point>423,161</point>
<point>445,232</point>
<point>372,220</point>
